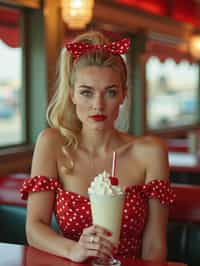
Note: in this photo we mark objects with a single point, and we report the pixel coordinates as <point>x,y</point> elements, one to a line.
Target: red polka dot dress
<point>73,212</point>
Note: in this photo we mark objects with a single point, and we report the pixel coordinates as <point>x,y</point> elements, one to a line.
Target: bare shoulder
<point>145,144</point>
<point>152,144</point>
<point>50,136</point>
<point>152,153</point>
<point>46,150</point>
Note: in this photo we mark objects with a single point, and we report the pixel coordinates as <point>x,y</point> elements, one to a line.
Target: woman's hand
<point>92,243</point>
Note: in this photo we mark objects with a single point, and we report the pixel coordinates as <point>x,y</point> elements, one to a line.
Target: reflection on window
<point>171,93</point>
<point>10,78</point>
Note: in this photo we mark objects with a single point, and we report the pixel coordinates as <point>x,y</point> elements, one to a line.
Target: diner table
<point>18,255</point>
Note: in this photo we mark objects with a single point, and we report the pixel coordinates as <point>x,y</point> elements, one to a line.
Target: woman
<point>78,145</point>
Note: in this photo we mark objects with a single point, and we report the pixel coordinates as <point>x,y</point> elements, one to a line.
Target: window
<point>11,92</point>
<point>172,92</point>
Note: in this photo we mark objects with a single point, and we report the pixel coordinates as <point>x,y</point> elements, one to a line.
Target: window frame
<point>24,110</point>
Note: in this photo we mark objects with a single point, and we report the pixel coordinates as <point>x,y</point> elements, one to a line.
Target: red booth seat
<point>9,189</point>
<point>184,225</point>
<point>187,204</point>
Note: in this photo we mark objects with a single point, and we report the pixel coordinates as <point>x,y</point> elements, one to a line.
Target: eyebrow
<point>91,88</point>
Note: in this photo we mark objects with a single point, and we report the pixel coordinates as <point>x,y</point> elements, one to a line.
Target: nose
<point>98,104</point>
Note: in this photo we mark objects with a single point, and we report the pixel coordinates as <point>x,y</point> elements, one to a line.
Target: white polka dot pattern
<point>76,49</point>
<point>73,212</point>
<point>38,184</point>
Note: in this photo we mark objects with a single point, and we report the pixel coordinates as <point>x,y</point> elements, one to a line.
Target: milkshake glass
<point>107,203</point>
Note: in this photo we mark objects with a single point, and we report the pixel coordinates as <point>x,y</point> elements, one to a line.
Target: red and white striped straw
<point>114,163</point>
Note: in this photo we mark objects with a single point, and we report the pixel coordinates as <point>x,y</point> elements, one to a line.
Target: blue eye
<point>87,93</point>
<point>112,93</point>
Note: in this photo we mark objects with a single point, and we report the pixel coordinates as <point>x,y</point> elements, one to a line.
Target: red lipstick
<point>98,118</point>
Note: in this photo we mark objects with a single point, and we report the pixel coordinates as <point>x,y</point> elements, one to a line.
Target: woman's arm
<point>40,204</point>
<point>154,245</point>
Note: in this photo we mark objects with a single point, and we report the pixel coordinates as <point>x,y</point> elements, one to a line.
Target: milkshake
<point>107,201</point>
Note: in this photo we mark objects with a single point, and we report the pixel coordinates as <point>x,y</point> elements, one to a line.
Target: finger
<point>97,243</point>
<point>100,249</point>
<point>93,239</point>
<point>102,231</point>
<point>99,238</point>
<point>96,229</point>
<point>97,253</point>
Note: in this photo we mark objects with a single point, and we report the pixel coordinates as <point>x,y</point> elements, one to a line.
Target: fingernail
<point>108,233</point>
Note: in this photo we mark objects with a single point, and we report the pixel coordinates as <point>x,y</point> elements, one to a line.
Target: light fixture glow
<point>77,13</point>
<point>194,46</point>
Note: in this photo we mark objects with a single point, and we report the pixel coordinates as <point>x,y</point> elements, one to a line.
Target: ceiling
<point>187,11</point>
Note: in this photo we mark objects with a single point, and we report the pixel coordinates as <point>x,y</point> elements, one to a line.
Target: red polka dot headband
<point>76,49</point>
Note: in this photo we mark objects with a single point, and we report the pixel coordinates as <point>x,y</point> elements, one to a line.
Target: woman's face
<point>97,95</point>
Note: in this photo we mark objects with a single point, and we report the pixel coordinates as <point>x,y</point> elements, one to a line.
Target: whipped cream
<point>101,185</point>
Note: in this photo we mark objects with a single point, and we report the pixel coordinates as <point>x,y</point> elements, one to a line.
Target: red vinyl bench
<point>184,225</point>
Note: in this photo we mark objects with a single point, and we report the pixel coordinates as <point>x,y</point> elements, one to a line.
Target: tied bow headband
<point>76,49</point>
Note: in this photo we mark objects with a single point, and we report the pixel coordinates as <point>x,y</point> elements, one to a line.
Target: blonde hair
<point>61,113</point>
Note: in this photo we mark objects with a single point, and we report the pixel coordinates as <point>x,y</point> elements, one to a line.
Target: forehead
<point>95,75</point>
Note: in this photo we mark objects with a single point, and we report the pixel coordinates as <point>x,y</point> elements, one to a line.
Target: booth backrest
<point>12,224</point>
<point>187,205</point>
<point>184,225</point>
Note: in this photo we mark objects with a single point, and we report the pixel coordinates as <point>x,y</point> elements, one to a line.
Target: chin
<point>102,127</point>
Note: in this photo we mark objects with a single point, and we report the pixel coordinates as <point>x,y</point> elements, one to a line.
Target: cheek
<point>81,108</point>
<point>114,109</point>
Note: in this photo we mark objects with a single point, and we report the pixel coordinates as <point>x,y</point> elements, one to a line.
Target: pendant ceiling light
<point>77,13</point>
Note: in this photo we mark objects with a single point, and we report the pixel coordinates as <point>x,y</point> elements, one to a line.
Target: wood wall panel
<point>17,160</point>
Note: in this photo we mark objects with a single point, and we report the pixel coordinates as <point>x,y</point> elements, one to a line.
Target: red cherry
<point>114,180</point>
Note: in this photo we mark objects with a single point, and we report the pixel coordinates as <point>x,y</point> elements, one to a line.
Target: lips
<point>98,118</point>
